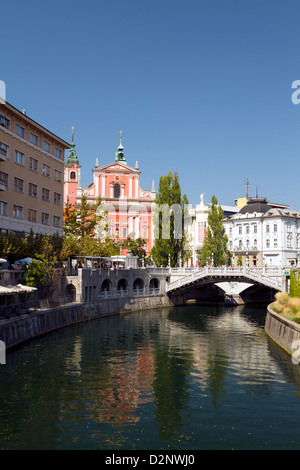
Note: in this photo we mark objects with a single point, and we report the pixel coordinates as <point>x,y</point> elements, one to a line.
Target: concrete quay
<point>94,294</point>
<point>16,330</point>
<point>285,333</point>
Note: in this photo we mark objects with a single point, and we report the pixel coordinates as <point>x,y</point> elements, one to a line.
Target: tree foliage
<point>81,219</point>
<point>294,284</point>
<point>80,231</point>
<point>215,243</point>
<point>170,239</point>
<point>14,247</point>
<point>136,247</point>
<point>41,274</point>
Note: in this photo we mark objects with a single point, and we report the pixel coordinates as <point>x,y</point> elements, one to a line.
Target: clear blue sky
<point>202,87</point>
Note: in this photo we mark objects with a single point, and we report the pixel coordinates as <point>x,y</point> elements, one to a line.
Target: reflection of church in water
<point>117,184</point>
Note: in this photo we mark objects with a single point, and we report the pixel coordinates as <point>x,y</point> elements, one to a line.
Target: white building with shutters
<point>264,234</point>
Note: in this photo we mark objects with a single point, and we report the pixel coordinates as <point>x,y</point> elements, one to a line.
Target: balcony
<point>240,250</point>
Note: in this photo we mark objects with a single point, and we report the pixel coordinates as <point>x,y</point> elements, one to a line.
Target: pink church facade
<point>129,207</point>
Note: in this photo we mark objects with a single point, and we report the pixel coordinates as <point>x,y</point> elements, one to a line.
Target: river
<point>197,377</point>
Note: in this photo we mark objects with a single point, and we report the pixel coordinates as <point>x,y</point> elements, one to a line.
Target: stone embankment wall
<point>282,331</point>
<point>16,330</point>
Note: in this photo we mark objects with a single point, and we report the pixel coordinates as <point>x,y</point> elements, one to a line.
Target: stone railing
<point>116,294</point>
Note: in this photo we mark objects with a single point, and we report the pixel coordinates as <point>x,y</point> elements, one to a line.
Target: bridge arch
<point>260,284</point>
<point>106,285</point>
<point>138,286</point>
<point>154,285</point>
<point>122,284</point>
<point>71,292</point>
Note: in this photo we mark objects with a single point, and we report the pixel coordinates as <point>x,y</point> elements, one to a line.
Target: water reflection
<point>172,378</point>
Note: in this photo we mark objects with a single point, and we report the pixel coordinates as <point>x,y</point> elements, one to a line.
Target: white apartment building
<point>264,234</point>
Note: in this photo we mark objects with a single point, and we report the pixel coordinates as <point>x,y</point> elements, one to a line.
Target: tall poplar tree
<point>215,243</point>
<point>170,239</point>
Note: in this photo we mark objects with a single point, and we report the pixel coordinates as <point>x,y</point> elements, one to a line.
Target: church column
<point>66,189</point>
<point>137,226</point>
<point>96,180</point>
<point>103,186</point>
<point>130,224</point>
<point>122,190</point>
<point>130,187</point>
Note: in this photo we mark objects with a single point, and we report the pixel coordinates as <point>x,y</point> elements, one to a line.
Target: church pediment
<point>116,166</point>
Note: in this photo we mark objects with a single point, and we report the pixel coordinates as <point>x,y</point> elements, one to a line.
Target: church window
<point>117,190</point>
<point>73,175</point>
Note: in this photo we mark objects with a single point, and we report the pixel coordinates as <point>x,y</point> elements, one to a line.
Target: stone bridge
<point>182,285</point>
<point>239,284</point>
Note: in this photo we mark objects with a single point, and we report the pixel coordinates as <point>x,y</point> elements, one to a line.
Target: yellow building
<point>241,201</point>
<point>31,174</point>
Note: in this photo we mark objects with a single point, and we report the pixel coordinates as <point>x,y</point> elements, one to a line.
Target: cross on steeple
<point>120,154</point>
<point>72,158</point>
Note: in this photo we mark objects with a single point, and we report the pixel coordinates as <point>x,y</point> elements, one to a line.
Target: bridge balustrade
<point>269,276</point>
<point>137,292</point>
<point>115,294</point>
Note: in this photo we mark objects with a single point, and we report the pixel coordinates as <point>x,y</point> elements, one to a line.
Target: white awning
<point>18,289</point>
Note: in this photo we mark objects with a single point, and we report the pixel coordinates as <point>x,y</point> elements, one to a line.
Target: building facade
<point>31,174</point>
<point>129,207</point>
<point>264,234</point>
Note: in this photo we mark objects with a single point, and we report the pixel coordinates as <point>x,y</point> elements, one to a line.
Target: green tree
<point>215,243</point>
<point>294,289</point>
<point>81,219</point>
<point>41,273</point>
<point>136,247</point>
<point>80,223</point>
<point>70,220</point>
<point>292,283</point>
<point>12,247</point>
<point>170,238</point>
<point>297,285</point>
